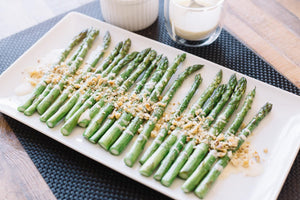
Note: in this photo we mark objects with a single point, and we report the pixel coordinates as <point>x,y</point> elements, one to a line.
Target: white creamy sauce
<point>254,169</point>
<point>23,89</point>
<point>44,63</point>
<point>190,23</point>
<point>85,115</point>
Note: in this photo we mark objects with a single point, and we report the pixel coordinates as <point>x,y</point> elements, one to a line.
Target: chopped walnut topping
<point>245,156</point>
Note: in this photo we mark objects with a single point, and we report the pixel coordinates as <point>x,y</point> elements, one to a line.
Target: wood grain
<point>291,5</point>
<point>261,27</point>
<point>19,177</point>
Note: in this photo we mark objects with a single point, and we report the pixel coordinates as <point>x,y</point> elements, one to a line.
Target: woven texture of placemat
<point>71,175</point>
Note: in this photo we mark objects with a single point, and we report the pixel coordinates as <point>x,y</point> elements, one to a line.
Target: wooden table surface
<point>270,28</point>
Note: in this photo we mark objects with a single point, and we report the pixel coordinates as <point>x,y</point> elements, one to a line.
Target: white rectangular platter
<point>279,132</point>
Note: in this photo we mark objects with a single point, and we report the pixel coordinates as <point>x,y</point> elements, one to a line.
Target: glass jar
<point>194,23</point>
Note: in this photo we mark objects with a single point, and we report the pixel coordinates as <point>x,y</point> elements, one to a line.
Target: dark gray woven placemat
<point>73,176</point>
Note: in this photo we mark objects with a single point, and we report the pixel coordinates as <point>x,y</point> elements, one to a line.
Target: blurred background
<point>17,15</point>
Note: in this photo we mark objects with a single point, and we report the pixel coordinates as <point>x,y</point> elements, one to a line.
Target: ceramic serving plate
<point>279,132</point>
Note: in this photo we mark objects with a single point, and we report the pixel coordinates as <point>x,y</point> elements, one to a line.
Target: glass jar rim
<point>201,8</point>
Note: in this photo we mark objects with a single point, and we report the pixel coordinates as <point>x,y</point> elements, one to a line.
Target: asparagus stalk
<point>154,59</point>
<point>110,106</point>
<point>162,66</point>
<point>195,178</point>
<point>110,58</point>
<point>233,104</point>
<point>164,131</point>
<point>217,127</point>
<point>101,116</point>
<point>107,124</point>
<point>217,169</point>
<point>165,79</point>
<point>123,52</point>
<point>212,100</point>
<point>190,184</point>
<point>207,93</point>
<point>49,99</point>
<point>172,173</point>
<point>211,177</point>
<point>109,63</point>
<point>150,165</point>
<point>71,123</point>
<point>94,59</point>
<point>132,65</point>
<point>241,114</point>
<point>42,84</point>
<point>142,82</point>
<point>132,129</point>
<point>194,160</point>
<point>84,121</point>
<point>139,144</point>
<point>114,132</point>
<point>225,97</point>
<point>133,60</point>
<point>77,100</point>
<point>32,108</point>
<point>170,158</point>
<point>128,82</point>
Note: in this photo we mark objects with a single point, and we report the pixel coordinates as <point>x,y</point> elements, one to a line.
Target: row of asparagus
<point>98,99</point>
<point>198,160</point>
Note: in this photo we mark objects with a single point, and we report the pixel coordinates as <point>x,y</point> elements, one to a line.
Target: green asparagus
<point>42,84</point>
<point>139,144</point>
<point>217,127</point>
<point>164,131</point>
<point>89,66</point>
<point>101,116</point>
<point>50,98</point>
<point>71,123</point>
<point>73,103</point>
<point>212,176</point>
<point>211,157</point>
<point>131,130</point>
